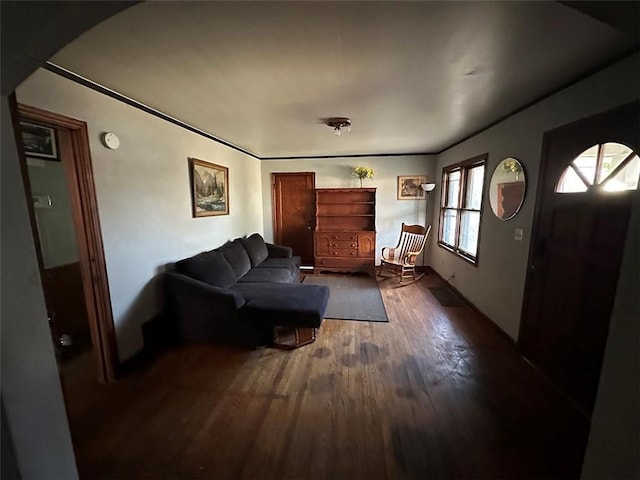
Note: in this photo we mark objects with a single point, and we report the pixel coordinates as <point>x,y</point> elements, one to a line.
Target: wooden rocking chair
<point>402,258</point>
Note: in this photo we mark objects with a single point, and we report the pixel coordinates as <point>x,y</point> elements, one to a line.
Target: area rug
<point>353,297</point>
<point>446,297</point>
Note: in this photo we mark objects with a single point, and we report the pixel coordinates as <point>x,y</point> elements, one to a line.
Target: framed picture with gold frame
<point>409,187</point>
<point>209,188</point>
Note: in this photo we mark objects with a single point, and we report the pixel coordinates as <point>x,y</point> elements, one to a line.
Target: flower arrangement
<point>363,172</point>
<point>512,166</point>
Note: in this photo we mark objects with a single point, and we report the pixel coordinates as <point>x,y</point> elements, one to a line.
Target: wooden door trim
<point>544,161</point>
<point>275,217</point>
<point>79,173</point>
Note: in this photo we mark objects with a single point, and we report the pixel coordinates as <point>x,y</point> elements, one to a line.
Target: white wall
<point>143,195</point>
<point>31,392</point>
<point>496,284</point>
<point>336,173</point>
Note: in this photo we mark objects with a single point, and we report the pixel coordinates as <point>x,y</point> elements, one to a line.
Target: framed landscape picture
<point>209,188</point>
<point>39,141</point>
<point>409,187</point>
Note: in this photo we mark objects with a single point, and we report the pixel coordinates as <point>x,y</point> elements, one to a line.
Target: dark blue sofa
<point>239,292</point>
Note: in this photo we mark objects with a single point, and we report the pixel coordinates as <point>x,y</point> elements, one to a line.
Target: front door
<point>294,212</point>
<point>588,176</point>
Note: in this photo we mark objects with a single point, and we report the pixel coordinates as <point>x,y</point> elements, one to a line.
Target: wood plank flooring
<point>435,393</point>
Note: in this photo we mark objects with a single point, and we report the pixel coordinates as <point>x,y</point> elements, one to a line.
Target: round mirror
<point>507,189</point>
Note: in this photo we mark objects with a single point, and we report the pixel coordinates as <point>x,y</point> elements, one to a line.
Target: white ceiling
<point>414,77</point>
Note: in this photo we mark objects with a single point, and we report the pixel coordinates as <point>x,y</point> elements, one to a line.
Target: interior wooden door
<point>294,212</point>
<point>85,280</point>
<point>576,251</point>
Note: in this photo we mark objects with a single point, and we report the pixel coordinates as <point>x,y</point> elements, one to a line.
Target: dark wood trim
<point>85,82</point>
<point>69,75</point>
<point>473,307</point>
<point>600,154</point>
<point>570,83</point>
<point>79,173</point>
<point>463,167</point>
<point>356,155</point>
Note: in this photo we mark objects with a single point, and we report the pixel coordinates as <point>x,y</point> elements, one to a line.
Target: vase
<point>360,183</point>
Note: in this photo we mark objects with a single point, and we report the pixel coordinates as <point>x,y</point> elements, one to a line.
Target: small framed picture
<point>209,188</point>
<point>409,187</point>
<point>39,141</point>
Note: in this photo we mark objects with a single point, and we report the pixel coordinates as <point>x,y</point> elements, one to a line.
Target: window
<point>609,167</point>
<point>461,207</point>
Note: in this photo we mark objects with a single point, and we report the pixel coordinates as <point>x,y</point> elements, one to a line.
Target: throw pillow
<point>256,248</point>
<point>237,257</point>
<point>208,267</point>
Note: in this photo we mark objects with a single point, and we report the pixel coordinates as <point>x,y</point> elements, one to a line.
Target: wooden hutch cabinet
<point>345,235</point>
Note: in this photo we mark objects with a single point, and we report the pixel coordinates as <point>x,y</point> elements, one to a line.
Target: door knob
<point>65,340</point>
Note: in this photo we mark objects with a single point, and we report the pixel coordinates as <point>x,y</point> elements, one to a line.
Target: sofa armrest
<point>185,287</point>
<point>202,312</point>
<point>279,251</point>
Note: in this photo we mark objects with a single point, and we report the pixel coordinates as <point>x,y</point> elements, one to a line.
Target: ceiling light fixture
<point>338,123</point>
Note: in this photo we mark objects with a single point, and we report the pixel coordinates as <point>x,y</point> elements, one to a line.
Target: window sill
<point>466,258</point>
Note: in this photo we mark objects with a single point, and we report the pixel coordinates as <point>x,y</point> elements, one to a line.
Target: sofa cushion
<point>237,257</point>
<point>256,248</point>
<point>284,305</point>
<point>292,264</point>
<point>267,275</point>
<point>208,267</point>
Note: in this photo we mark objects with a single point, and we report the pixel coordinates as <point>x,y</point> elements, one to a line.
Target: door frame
<point>79,174</point>
<point>526,325</point>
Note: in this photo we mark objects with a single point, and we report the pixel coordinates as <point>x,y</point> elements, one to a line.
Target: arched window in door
<point>609,167</point>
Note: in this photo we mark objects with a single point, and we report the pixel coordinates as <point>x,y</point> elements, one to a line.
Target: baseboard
<point>473,307</point>
<point>426,269</point>
<point>158,334</point>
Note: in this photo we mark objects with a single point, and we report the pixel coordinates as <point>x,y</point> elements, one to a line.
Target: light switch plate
<point>41,201</point>
<point>517,235</point>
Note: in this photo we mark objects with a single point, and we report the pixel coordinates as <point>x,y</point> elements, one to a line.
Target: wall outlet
<point>518,234</point>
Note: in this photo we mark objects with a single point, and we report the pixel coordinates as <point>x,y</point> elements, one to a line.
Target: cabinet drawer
<point>336,252</point>
<point>343,244</point>
<point>346,236</point>
<point>340,262</point>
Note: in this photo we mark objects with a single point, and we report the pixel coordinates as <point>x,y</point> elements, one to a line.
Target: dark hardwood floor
<point>435,393</point>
